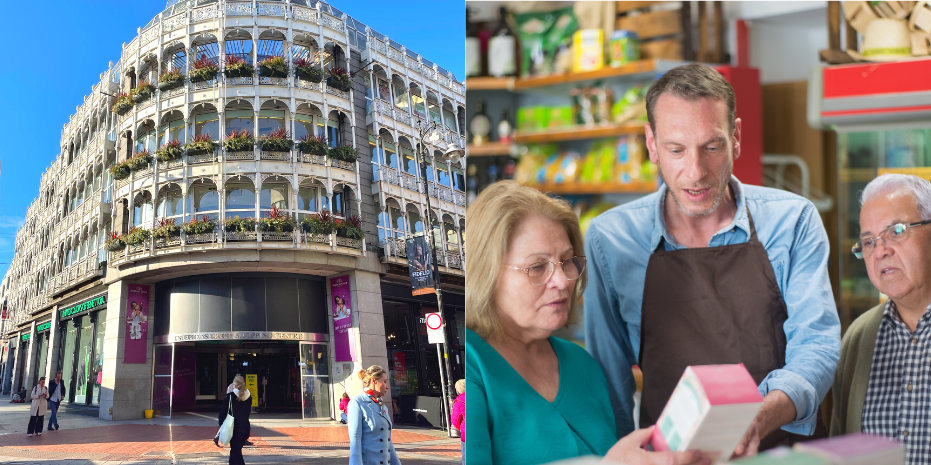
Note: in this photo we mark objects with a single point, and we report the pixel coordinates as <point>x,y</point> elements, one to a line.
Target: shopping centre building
<point>165,322</point>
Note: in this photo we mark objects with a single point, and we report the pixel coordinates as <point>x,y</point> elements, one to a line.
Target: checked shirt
<point>898,396</point>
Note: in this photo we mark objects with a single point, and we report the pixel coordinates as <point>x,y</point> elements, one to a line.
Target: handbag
<point>226,429</point>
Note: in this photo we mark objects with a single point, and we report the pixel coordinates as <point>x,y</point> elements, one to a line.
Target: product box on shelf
<point>710,410</point>
<point>855,449</point>
<point>589,50</point>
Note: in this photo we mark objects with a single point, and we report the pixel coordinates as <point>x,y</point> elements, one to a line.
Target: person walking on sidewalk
<point>229,389</point>
<point>344,409</point>
<point>370,423</point>
<point>57,392</point>
<point>39,406</point>
<point>237,404</point>
<point>457,419</point>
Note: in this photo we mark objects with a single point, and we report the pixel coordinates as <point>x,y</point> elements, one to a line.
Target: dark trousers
<point>35,424</point>
<point>53,419</point>
<point>236,452</point>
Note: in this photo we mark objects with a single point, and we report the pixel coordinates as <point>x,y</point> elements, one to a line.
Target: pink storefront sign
<point>342,320</point>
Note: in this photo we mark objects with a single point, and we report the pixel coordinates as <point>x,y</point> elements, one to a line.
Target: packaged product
<point>541,35</point>
<point>559,117</point>
<point>623,47</point>
<point>630,105</point>
<point>565,169</point>
<point>710,410</point>
<point>588,45</point>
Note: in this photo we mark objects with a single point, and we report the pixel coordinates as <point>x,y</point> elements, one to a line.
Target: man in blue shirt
<point>710,271</point>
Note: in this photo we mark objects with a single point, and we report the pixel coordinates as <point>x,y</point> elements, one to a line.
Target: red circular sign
<point>434,321</point>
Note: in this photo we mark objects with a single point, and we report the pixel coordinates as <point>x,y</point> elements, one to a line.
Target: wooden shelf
<point>489,83</point>
<point>489,149</point>
<point>578,133</point>
<point>632,68</point>
<point>636,187</point>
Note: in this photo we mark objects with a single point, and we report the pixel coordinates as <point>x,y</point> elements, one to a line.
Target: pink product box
<point>710,410</point>
<point>855,449</point>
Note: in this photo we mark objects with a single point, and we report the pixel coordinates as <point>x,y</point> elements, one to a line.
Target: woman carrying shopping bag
<point>238,406</point>
<point>370,422</point>
<point>39,406</point>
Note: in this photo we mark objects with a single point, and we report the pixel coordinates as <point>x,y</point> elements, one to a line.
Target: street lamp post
<point>452,153</point>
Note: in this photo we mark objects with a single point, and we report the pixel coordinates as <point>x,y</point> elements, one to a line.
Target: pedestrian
<point>39,406</point>
<point>344,409</point>
<point>237,404</point>
<point>369,422</point>
<point>216,438</point>
<point>57,392</point>
<point>458,417</point>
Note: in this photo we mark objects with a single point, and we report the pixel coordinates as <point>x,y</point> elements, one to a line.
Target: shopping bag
<point>226,429</point>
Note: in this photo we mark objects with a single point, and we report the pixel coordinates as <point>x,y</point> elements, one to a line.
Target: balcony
<point>448,256</point>
<point>80,272</point>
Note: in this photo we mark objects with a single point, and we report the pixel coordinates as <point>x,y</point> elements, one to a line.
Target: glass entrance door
<point>315,380</point>
<point>161,386</point>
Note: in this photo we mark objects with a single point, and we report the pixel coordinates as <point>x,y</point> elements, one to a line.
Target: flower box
<point>239,141</point>
<point>170,151</point>
<point>274,66</point>
<point>345,152</point>
<point>278,141</point>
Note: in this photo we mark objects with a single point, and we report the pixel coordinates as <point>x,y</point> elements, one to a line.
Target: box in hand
<point>710,410</point>
<point>855,449</point>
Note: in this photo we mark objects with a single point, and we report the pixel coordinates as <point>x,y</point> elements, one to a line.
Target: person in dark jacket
<point>57,393</point>
<point>238,404</point>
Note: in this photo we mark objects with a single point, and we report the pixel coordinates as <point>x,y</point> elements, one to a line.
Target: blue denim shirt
<point>619,243</point>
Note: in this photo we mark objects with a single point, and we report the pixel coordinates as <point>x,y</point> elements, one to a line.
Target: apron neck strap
<point>753,238</point>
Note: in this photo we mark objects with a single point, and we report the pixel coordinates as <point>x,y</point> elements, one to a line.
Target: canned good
<point>623,47</point>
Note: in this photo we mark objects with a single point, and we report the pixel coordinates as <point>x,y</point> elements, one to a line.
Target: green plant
<point>124,102</point>
<point>239,141</point>
<point>236,66</point>
<point>339,79</point>
<point>142,92</point>
<point>240,225</point>
<point>204,225</point>
<point>313,145</point>
<point>318,223</point>
<point>277,220</point>
<point>201,144</point>
<point>278,141</point>
<point>139,161</point>
<point>113,242</point>
<point>166,228</point>
<point>170,80</point>
<point>307,70</point>
<point>170,151</point>
<point>354,227</point>
<point>203,70</point>
<point>273,66</point>
<point>344,152</point>
<point>119,171</point>
<point>136,236</point>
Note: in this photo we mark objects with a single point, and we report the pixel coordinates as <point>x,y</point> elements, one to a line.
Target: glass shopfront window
<point>70,333</point>
<point>42,357</point>
<point>83,362</point>
<point>97,378</point>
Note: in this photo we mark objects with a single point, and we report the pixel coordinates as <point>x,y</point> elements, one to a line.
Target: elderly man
<point>710,271</point>
<point>883,384</point>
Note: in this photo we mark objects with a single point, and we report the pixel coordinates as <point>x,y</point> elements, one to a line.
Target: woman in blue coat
<point>370,422</point>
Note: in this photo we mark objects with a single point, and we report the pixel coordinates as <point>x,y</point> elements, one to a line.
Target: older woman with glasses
<point>535,398</point>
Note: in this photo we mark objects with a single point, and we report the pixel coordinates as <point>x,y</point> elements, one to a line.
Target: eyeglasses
<point>539,273</point>
<point>894,234</point>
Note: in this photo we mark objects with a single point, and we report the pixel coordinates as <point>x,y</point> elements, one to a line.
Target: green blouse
<point>510,423</point>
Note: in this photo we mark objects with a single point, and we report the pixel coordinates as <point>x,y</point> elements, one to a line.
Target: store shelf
<point>578,133</point>
<point>489,83</point>
<point>630,69</point>
<point>637,187</point>
<point>490,149</point>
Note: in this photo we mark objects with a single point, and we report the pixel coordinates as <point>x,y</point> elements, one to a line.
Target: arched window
<point>240,198</point>
<point>270,120</point>
<point>274,194</point>
<point>169,202</point>
<point>208,123</point>
<point>239,120</point>
<point>203,199</point>
<point>142,210</point>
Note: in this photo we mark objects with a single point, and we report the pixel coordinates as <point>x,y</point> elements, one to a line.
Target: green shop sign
<point>26,336</point>
<point>84,306</point>
<point>44,326</point>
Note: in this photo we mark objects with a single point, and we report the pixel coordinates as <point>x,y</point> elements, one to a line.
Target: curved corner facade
<point>165,322</point>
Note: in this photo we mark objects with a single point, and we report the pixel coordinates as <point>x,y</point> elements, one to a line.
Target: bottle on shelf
<point>502,60</point>
<point>505,128</point>
<point>479,125</point>
<point>473,47</point>
<point>471,184</point>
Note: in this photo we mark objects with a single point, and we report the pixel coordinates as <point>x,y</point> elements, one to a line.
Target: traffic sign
<point>434,324</point>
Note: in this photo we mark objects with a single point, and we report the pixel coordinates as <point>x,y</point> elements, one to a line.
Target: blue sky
<point>49,70</point>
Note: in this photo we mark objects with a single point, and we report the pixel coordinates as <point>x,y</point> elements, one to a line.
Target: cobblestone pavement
<point>187,439</point>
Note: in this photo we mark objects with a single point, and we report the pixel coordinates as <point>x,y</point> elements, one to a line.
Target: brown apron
<point>709,306</point>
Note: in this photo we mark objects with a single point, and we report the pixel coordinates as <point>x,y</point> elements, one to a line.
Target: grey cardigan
<point>853,371</point>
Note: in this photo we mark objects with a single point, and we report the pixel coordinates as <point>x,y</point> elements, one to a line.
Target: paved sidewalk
<point>187,439</point>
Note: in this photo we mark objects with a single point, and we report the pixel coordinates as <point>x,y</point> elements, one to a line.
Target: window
<point>400,95</point>
<point>173,130</point>
<point>340,204</point>
<point>303,126</point>
<point>240,199</point>
<point>450,120</point>
<point>142,214</point>
<point>332,133</point>
<point>270,120</point>
<point>274,194</point>
<point>434,109</point>
<point>384,92</point>
<point>410,163</point>
<point>397,221</point>
<point>443,176</point>
<point>307,198</point>
<point>146,141</point>
<point>391,156</point>
<point>415,222</point>
<point>207,123</point>
<point>239,120</point>
<point>418,103</point>
<point>458,180</point>
<point>202,198</point>
<point>169,202</point>
<point>451,236</point>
